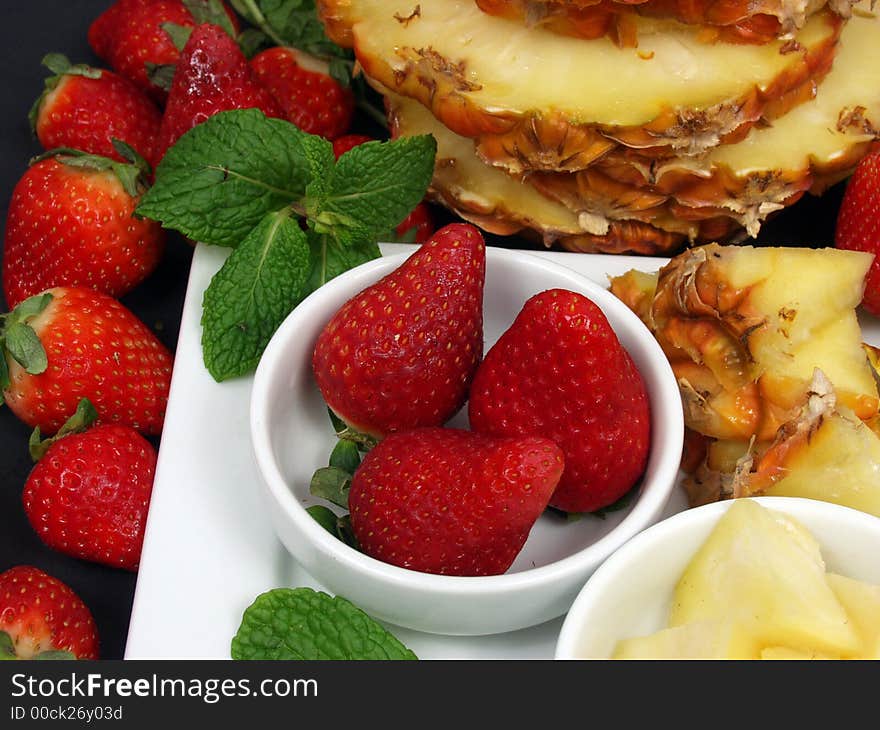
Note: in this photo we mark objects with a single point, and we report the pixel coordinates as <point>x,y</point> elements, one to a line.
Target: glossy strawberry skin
<point>559,371</point>
<point>450,501</point>
<point>858,223</point>
<point>129,35</point>
<point>212,76</point>
<point>71,226</point>
<point>311,99</point>
<point>96,349</point>
<point>41,613</point>
<point>88,496</point>
<point>401,353</point>
<point>86,114</point>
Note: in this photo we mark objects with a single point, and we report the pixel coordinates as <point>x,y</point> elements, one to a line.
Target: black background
<point>29,30</point>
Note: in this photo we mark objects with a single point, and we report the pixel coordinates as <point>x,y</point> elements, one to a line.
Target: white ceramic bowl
<point>292,437</point>
<point>631,593</point>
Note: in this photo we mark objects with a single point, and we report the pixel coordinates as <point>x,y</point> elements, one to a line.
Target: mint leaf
<point>220,178</point>
<point>300,623</point>
<point>248,298</point>
<point>329,259</point>
<point>372,188</point>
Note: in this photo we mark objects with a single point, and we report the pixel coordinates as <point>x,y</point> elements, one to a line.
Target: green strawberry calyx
<point>7,650</point>
<point>133,175</point>
<point>82,419</point>
<point>19,341</point>
<point>61,67</point>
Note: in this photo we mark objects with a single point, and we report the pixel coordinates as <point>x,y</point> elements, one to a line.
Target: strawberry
<point>301,84</point>
<point>212,76</point>
<point>89,492</point>
<point>86,108</point>
<point>858,223</point>
<point>137,37</point>
<point>560,371</point>
<point>402,353</point>
<point>71,343</point>
<point>41,617</point>
<point>419,225</point>
<point>70,224</point>
<point>343,144</point>
<point>449,501</point>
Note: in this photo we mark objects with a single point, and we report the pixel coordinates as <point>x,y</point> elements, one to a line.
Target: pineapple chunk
<point>529,97</point>
<point>760,569</point>
<point>745,327</point>
<point>699,640</point>
<point>862,603</point>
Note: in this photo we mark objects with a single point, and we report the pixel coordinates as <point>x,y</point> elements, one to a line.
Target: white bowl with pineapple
<point>755,578</point>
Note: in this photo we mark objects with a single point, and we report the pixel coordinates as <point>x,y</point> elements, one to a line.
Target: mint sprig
<point>300,623</point>
<point>295,216</point>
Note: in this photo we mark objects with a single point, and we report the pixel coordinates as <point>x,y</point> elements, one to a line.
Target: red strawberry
<point>212,76</point>
<point>419,225</point>
<point>70,224</point>
<point>346,142</point>
<point>301,84</point>
<point>449,501</point>
<point>133,36</point>
<point>560,371</point>
<point>72,343</point>
<point>402,353</point>
<point>86,108</point>
<point>858,223</point>
<point>89,492</point>
<point>40,614</point>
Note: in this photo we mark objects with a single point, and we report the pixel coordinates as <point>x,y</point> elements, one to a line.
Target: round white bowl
<point>631,593</point>
<point>292,436</point>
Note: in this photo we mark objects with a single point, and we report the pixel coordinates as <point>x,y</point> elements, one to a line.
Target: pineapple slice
<point>504,204</point>
<point>698,640</point>
<point>744,22</point>
<point>743,329</point>
<point>532,101</point>
<point>762,570</point>
<point>862,603</point>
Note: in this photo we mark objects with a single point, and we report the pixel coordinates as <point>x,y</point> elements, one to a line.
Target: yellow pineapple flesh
<point>699,640</point>
<point>764,571</point>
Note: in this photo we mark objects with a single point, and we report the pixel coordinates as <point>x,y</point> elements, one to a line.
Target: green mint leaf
<point>84,416</point>
<point>25,347</point>
<point>220,178</point>
<point>255,289</point>
<point>345,456</point>
<point>372,188</point>
<point>329,258</point>
<point>300,623</point>
<point>331,483</point>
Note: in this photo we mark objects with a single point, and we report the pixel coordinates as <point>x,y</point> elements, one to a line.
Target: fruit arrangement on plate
<point>648,127</point>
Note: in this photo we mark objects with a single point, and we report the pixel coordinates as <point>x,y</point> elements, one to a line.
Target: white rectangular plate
<point>210,549</point>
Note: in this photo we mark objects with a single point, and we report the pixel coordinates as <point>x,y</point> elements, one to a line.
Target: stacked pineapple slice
<point>627,126</point>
